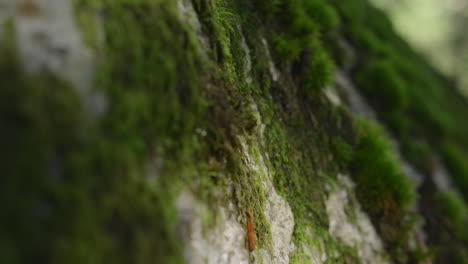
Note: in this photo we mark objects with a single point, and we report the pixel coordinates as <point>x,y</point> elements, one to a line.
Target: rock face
<point>358,232</point>
<point>223,243</point>
<point>143,131</point>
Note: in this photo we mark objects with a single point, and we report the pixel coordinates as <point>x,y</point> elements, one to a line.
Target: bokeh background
<point>437,28</point>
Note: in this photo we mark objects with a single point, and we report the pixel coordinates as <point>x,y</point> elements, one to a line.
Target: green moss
<point>86,184</point>
<point>414,86</point>
<point>382,189</point>
<point>352,11</point>
<point>39,116</point>
<point>343,151</point>
<point>367,42</point>
<point>455,159</point>
<point>324,14</point>
<point>461,257</point>
<point>379,178</point>
<point>319,73</point>
<point>194,114</point>
<point>419,154</point>
<point>298,42</point>
<point>382,84</point>
<point>298,180</point>
<point>455,212</point>
<point>88,21</point>
<point>300,23</point>
<point>312,244</point>
<point>419,106</point>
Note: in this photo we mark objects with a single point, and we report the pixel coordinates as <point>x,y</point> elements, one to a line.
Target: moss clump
<point>419,154</point>
<point>298,27</point>
<point>382,189</point>
<point>382,84</point>
<point>379,179</point>
<point>301,23</point>
<point>456,161</point>
<point>452,227</point>
<point>455,212</point>
<point>343,151</point>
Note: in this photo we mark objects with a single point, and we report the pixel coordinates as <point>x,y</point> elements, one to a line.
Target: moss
<point>418,105</point>
<point>169,102</point>
<point>456,164</point>
<point>324,14</point>
<point>382,189</point>
<point>419,154</point>
<point>319,73</point>
<point>455,211</point>
<point>39,116</point>
<point>88,21</point>
<point>312,244</point>
<point>461,257</point>
<point>343,151</point>
<point>385,56</point>
<point>87,183</point>
<point>295,176</point>
<point>377,171</point>
<point>382,84</point>
<point>352,11</point>
<point>298,44</point>
<point>368,42</point>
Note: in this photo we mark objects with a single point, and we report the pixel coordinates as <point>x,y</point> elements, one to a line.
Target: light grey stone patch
<point>223,243</point>
<point>356,103</point>
<point>154,166</point>
<point>273,71</point>
<point>201,132</point>
<point>248,59</point>
<point>332,95</point>
<point>263,256</point>
<point>188,14</point>
<point>259,126</point>
<point>348,52</point>
<point>49,40</point>
<point>414,176</point>
<point>358,233</point>
<point>281,220</point>
<point>441,176</point>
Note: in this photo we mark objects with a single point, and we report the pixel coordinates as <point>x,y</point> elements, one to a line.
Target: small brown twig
<point>250,230</point>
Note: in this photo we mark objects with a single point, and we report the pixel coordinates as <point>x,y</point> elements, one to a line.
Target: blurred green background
<point>437,28</point>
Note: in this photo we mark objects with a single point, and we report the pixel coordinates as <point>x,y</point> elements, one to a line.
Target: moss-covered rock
<point>222,100</point>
